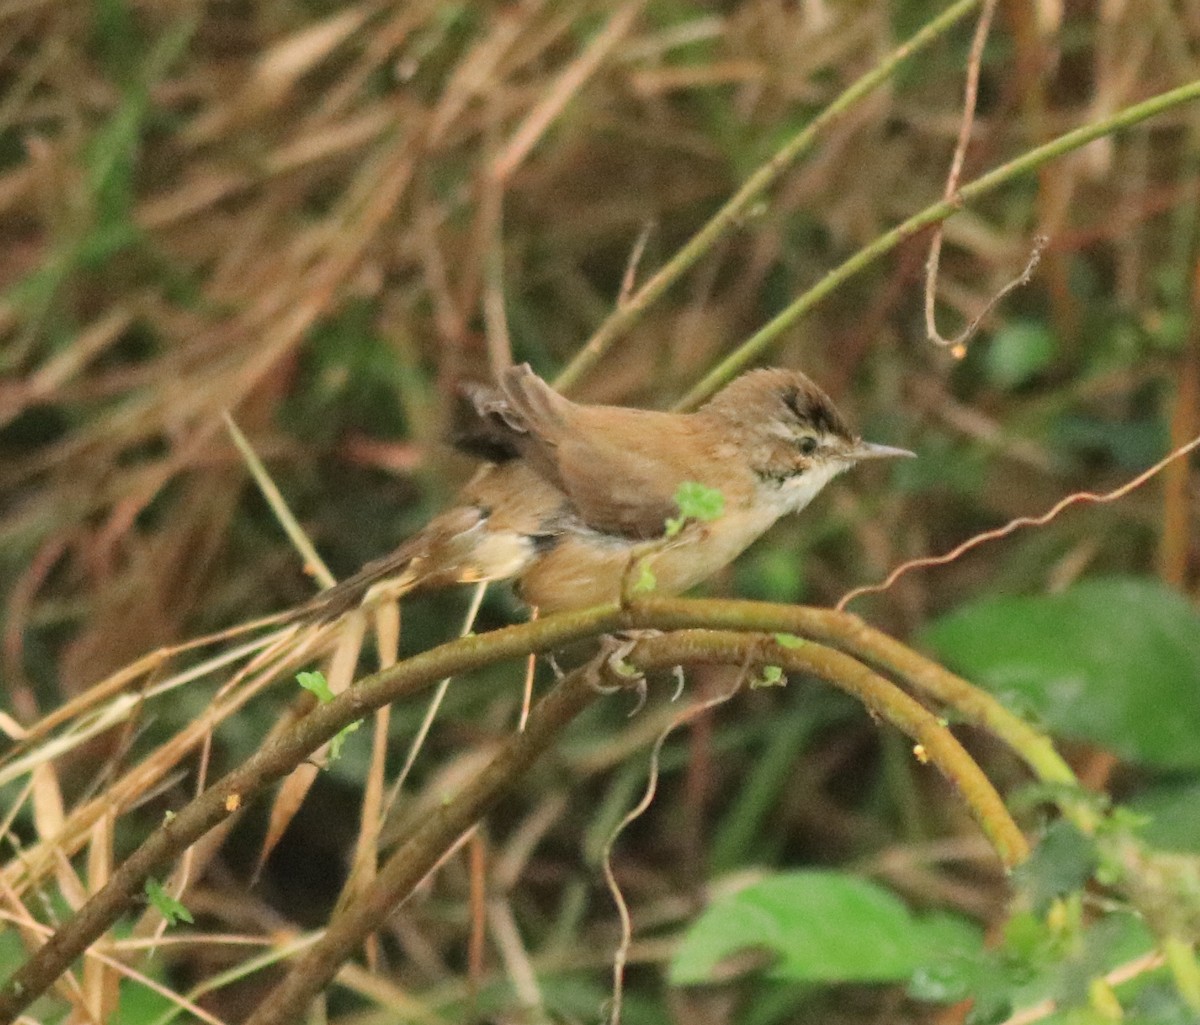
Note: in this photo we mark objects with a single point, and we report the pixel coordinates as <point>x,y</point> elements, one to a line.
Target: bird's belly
<point>585,569</point>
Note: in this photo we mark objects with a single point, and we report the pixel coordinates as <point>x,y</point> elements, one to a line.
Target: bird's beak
<point>869,450</point>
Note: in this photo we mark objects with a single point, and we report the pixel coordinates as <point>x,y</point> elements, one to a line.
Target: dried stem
<point>410,865</point>
<point>958,343</point>
<point>270,763</point>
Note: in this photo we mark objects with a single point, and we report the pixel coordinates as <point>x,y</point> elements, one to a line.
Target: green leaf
<point>317,685</point>
<point>339,738</point>
<point>790,641</point>
<point>822,927</point>
<point>1042,964</point>
<point>1112,661</point>
<point>697,502</point>
<point>1019,351</point>
<point>1171,809</point>
<point>768,676</point>
<point>170,908</point>
<point>1061,863</point>
<point>646,580</point>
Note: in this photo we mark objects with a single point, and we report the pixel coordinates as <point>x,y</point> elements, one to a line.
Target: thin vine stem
<point>770,333</point>
<point>731,214</point>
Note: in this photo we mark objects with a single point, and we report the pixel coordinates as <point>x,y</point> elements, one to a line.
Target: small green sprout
<point>625,669</point>
<point>317,685</point>
<point>646,580</point>
<point>339,738</point>
<point>170,908</point>
<point>696,502</point>
<point>769,676</point>
<point>790,641</point>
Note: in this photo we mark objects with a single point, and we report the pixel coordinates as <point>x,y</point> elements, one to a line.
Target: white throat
<point>797,492</point>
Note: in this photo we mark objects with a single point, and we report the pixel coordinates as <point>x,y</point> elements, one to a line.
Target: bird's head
<point>792,435</point>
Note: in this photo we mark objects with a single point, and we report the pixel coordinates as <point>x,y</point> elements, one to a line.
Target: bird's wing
<point>597,456</point>
<point>524,416</point>
<point>484,425</point>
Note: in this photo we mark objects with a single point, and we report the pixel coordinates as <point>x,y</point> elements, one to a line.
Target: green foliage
<point>1061,863</point>
<point>339,738</point>
<point>1018,352</point>
<point>1113,661</point>
<point>816,927</point>
<point>316,684</point>
<point>771,573</point>
<point>1134,443</point>
<point>1172,813</point>
<point>696,502</point>
<point>352,379</point>
<point>169,907</point>
<point>140,1005</point>
<point>743,834</point>
<point>646,580</point>
<point>1038,960</point>
<point>768,676</point>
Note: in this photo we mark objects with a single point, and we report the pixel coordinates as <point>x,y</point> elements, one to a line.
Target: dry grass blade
<point>347,647</point>
<point>561,91</point>
<point>365,861</point>
<point>100,981</point>
<point>127,789</point>
<point>313,562</point>
<point>121,680</point>
<point>286,805</point>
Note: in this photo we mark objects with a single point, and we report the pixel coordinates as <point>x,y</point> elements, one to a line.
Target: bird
<point>572,495</point>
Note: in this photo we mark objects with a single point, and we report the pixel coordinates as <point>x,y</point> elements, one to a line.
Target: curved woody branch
<point>277,758</point>
<point>406,868</point>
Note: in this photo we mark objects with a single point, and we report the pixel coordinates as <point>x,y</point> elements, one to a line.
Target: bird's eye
<point>808,445</point>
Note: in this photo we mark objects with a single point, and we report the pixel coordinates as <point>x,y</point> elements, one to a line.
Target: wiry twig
<point>1016,524</point>
<point>621,954</point>
<point>957,345</point>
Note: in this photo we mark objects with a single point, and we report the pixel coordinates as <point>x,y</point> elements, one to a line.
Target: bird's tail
<point>438,556</point>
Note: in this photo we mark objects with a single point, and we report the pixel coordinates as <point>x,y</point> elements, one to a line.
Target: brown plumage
<point>575,491</point>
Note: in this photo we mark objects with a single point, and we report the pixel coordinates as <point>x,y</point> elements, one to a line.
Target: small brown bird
<point>573,495</point>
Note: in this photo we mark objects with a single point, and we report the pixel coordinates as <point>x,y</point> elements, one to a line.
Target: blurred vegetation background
<point>323,217</point>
